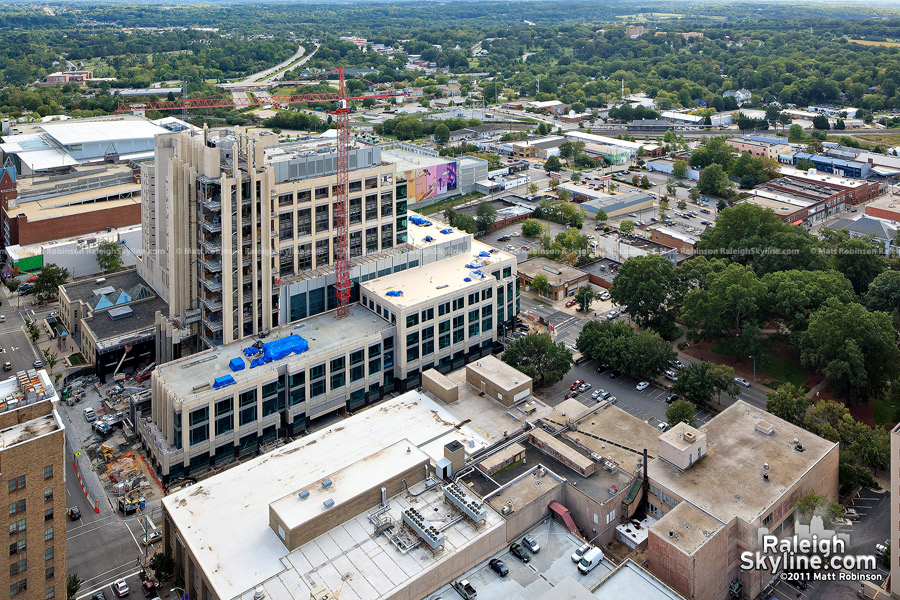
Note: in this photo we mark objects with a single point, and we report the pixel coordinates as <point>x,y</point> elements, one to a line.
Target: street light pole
<point>754,368</point>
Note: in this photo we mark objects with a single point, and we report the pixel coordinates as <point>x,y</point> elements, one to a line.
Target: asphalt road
<point>17,348</point>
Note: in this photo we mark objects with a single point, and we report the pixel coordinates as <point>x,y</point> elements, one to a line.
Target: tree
<point>699,382</point>
<point>635,180</point>
<point>532,189</point>
<point>73,584</point>
<point>840,124</point>
<point>669,137</point>
<point>681,411</point>
<point>109,257</point>
<point>679,168</point>
<point>812,504</point>
<point>575,178</point>
<point>681,204</point>
<point>163,566</point>
<point>794,295</point>
<point>601,215</point>
<point>860,259</point>
<point>644,354</point>
<point>538,357</point>
<point>552,164</point>
<point>626,227</point>
<point>531,228</point>
<point>854,349</point>
<point>784,120</point>
<point>644,284</point>
<point>563,195</point>
<point>540,285</point>
<point>788,402</point>
<point>486,216</point>
<point>462,221</point>
<point>584,296</point>
<point>713,180</point>
<point>727,304</point>
<point>645,182</point>
<point>46,287</point>
<point>820,122</point>
<point>441,134</point>
<point>694,194</point>
<point>50,358</point>
<point>884,292</point>
<point>12,284</point>
<point>795,133</point>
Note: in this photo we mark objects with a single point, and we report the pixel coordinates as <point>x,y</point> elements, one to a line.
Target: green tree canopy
<point>486,216</point>
<point>794,295</point>
<point>729,302</point>
<point>854,349</point>
<point>441,134</point>
<point>700,381</point>
<point>538,357</point>
<point>552,164</point>
<point>681,411</point>
<point>645,284</point>
<point>713,180</point>
<point>109,257</point>
<point>679,168</point>
<point>531,228</point>
<point>584,297</point>
<point>46,287</point>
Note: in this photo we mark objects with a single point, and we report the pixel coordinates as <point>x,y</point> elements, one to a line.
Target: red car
<point>570,303</point>
<point>576,384</point>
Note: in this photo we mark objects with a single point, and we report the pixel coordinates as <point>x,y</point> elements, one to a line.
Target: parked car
<point>73,513</point>
<point>572,394</point>
<point>38,364</point>
<point>503,238</point>
<point>612,399</point>
<point>742,381</point>
<point>611,316</point>
<point>590,560</point>
<point>570,303</point>
<point>841,523</point>
<point>662,426</point>
<point>575,385</point>
<point>642,386</point>
<point>576,557</point>
<point>584,387</point>
<point>120,588</point>
<point>519,552</point>
<point>605,296</point>
<point>850,513</point>
<point>498,567</point>
<point>671,375</point>
<point>151,537</point>
<point>880,549</point>
<point>102,429</point>
<point>7,366</point>
<point>510,247</point>
<point>596,393</point>
<point>531,543</point>
<point>676,364</point>
<point>89,415</point>
<point>2,318</point>
<point>99,596</point>
<point>613,373</point>
<point>671,398</point>
<point>465,589</point>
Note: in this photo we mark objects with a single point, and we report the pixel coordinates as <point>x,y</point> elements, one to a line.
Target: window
<point>17,527</point>
<point>443,309</point>
<point>50,593</point>
<point>337,372</point>
<point>473,329</point>
<point>473,298</point>
<point>48,471</point>
<point>49,573</point>
<point>412,320</point>
<point>18,567</point>
<point>48,514</point>
<point>427,314</point>
<point>18,587</point>
<point>17,547</point>
<point>473,315</point>
<point>17,507</point>
<point>48,534</point>
<point>48,553</point>
<point>48,495</point>
<point>487,293</point>
<point>17,483</point>
<point>767,520</point>
<point>507,272</point>
<point>459,303</point>
<point>199,416</point>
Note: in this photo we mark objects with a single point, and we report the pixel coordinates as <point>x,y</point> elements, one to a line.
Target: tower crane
<point>342,122</point>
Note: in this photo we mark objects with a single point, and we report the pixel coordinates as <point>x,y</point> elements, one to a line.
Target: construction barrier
<point>152,474</point>
<point>84,488</point>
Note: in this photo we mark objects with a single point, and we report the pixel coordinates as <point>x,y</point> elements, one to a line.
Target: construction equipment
<point>144,373</point>
<point>342,121</point>
<point>119,366</point>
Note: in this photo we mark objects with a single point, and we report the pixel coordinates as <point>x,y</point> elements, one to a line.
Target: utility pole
<point>538,90</point>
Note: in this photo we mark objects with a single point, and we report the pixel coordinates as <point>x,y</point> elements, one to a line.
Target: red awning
<point>798,222</point>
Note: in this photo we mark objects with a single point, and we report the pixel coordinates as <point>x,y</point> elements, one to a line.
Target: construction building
<point>112,319</point>
<point>32,458</point>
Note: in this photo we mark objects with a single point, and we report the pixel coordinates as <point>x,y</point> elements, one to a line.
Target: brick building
<point>32,462</point>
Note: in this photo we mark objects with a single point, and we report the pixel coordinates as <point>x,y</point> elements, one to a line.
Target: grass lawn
<point>448,203</point>
<point>76,359</point>
<point>873,43</point>
<point>886,410</point>
<point>778,362</point>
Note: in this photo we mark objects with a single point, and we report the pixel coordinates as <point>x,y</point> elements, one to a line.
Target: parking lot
<point>546,569</point>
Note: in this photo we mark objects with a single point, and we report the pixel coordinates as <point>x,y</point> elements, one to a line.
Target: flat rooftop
<point>556,273</point>
<point>27,431</point>
<point>734,461</point>
<point>780,203</point>
<point>106,129</point>
<point>78,203</point>
<point>629,580</point>
<point>499,372</point>
<point>438,278</point>
<point>690,527</point>
<point>846,182</point>
<point>617,435</point>
<point>323,332</point>
<point>803,188</point>
<point>83,289</point>
<point>886,202</point>
<point>248,553</point>
<point>142,317</point>
<point>634,241</point>
<point>416,234</point>
<point>406,160</point>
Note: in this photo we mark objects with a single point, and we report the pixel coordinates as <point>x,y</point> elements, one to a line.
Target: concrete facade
<point>497,380</point>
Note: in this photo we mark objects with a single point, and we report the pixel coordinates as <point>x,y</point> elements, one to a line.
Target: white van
<point>590,560</point>
<point>89,415</point>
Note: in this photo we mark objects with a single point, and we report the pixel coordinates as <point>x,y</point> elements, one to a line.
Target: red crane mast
<point>343,284</point>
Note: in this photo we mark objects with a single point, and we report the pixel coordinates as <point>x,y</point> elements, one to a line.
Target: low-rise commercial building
<point>758,146</point>
<point>887,207</point>
<point>665,165</point>
<point>632,148</point>
<point>562,279</point>
<point>32,459</point>
<point>620,247</point>
<point>682,241</point>
<point>617,205</point>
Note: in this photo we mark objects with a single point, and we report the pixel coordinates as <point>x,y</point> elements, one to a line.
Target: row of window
<point>371,183</point>
<point>18,547</point>
<point>18,483</point>
<point>324,251</point>
<point>20,526</point>
<point>663,496</point>
<point>21,586</point>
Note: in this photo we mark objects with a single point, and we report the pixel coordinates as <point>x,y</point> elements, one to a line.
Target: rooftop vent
<point>329,503</point>
<point>764,427</point>
<point>766,466</point>
<point>303,495</point>
<point>326,484</point>
<point>258,594</point>
<point>765,476</point>
<point>690,437</point>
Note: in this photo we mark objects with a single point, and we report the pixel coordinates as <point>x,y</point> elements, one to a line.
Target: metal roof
<point>68,133</point>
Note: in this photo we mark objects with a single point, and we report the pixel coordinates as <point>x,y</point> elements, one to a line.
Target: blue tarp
<point>417,220</point>
<point>479,273</point>
<point>428,238</point>
<point>236,364</point>
<point>484,254</point>
<point>251,351</point>
<point>446,231</point>
<point>473,266</point>
<point>394,294</point>
<point>278,349</point>
<point>467,279</point>
<point>223,381</point>
<point>258,362</point>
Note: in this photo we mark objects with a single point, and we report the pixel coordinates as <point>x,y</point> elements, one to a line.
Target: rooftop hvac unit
<point>303,495</point>
<point>464,503</point>
<point>423,528</point>
<point>326,484</point>
<point>329,503</point>
<point>690,437</point>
